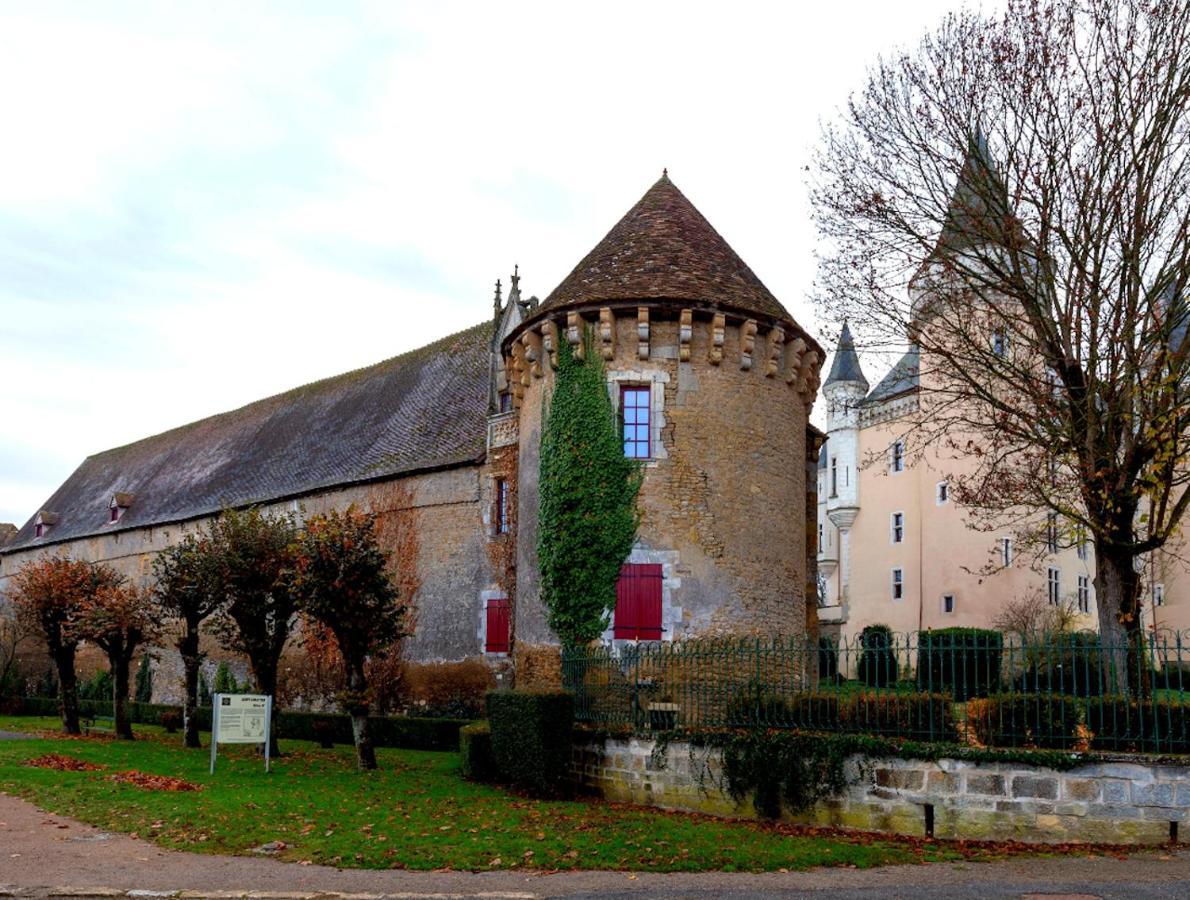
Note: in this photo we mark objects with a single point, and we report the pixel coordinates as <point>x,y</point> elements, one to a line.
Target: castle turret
<point>844,389</point>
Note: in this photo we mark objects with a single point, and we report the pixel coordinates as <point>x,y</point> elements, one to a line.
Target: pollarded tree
<point>588,517</point>
<point>249,551</point>
<point>51,596</point>
<point>1013,198</point>
<point>118,619</point>
<point>339,578</point>
<point>188,595</point>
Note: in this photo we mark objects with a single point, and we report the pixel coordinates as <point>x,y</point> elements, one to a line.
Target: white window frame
<point>942,493</point>
<point>953,604</point>
<point>834,476</point>
<point>1006,552</point>
<point>1051,532</point>
<point>1084,593</point>
<point>1080,540</point>
<point>1158,594</point>
<point>896,529</point>
<point>1053,586</point>
<point>896,462</point>
<point>898,584</point>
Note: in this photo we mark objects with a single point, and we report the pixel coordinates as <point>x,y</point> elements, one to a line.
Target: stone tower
<point>845,387</point>
<point>712,380</point>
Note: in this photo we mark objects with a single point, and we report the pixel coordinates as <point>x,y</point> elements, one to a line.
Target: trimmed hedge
<point>1070,665</point>
<point>927,717</point>
<point>1025,720</point>
<point>878,661</point>
<point>532,734</point>
<point>1156,726</point>
<point>475,746</point>
<point>405,732</point>
<point>964,662</point>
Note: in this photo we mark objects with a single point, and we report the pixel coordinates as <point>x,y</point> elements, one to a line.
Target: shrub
<point>538,667</point>
<point>475,747</point>
<point>1032,720</point>
<point>1067,664</point>
<point>97,687</point>
<point>531,738</point>
<point>1173,676</point>
<point>828,659</point>
<point>928,717</point>
<point>878,659</point>
<point>964,662</point>
<point>756,704</point>
<point>171,721</point>
<point>1155,726</point>
<point>324,733</point>
<point>451,690</point>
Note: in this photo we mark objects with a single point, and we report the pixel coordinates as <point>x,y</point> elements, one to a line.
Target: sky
<point>206,204</point>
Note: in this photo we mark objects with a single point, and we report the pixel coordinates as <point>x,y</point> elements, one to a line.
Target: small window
<point>39,530</point>
<point>505,401</point>
<point>898,584</point>
<point>1006,551</point>
<point>942,494</point>
<point>898,527</point>
<point>948,603</point>
<point>1158,595</point>
<point>898,456</point>
<point>1054,586</point>
<point>821,531</point>
<point>1051,533</point>
<point>498,616</point>
<point>999,343</point>
<point>114,514</point>
<point>834,477</point>
<point>1084,594</point>
<point>634,409</point>
<point>1080,540</point>
<point>501,506</point>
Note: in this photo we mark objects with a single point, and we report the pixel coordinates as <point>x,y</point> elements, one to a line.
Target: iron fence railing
<point>979,688</point>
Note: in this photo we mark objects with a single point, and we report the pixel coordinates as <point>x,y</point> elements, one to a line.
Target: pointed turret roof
<point>979,211</point>
<point>664,248</point>
<point>845,366</point>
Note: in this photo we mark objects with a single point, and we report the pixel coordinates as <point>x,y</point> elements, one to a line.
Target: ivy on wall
<point>588,516</point>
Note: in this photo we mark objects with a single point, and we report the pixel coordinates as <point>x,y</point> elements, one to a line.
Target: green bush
<point>1066,664</point>
<point>1025,720</point>
<point>532,738</point>
<point>756,704</point>
<point>1152,726</point>
<point>828,659</point>
<point>878,659</point>
<point>1173,676</point>
<point>406,732</point>
<point>97,687</point>
<point>964,662</point>
<point>475,746</point>
<point>925,717</point>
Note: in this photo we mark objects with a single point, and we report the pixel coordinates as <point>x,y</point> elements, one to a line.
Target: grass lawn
<point>416,812</point>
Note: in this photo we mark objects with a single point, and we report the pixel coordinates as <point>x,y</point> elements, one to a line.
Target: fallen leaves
<point>152,782</point>
<point>62,763</point>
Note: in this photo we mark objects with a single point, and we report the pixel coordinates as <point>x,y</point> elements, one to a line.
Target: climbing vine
<point>588,516</point>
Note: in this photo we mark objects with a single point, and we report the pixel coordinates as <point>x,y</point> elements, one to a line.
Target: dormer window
<point>44,523</point>
<point>118,506</point>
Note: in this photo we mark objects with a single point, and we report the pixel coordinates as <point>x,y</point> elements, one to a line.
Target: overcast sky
<point>207,203</point>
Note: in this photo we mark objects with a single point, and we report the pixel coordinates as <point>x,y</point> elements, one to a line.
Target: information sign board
<point>241,719</point>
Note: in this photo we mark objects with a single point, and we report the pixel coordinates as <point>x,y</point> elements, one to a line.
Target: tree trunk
<point>191,662</point>
<point>265,673</point>
<point>68,693</point>
<point>121,662</point>
<point>1117,594</point>
<point>361,728</point>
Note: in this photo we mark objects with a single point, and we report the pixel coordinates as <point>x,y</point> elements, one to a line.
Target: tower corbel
<point>685,334</point>
<point>747,343</point>
<point>718,332</point>
<point>642,332</point>
<point>776,348</point>
<point>607,333</point>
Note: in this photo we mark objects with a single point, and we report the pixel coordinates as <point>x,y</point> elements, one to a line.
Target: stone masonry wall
<point>1125,801</point>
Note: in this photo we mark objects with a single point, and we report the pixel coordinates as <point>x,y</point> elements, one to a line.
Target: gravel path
<point>15,736</point>
<point>40,853</point>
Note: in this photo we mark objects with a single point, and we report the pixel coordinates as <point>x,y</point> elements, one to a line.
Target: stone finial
<point>642,332</point>
<point>685,334</point>
<point>747,343</point>
<point>514,292</point>
<point>498,302</point>
<point>718,333</point>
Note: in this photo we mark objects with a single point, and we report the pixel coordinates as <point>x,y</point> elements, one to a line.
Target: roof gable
<point>424,409</point>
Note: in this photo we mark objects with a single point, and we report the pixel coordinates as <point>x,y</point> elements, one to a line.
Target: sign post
<point>241,719</point>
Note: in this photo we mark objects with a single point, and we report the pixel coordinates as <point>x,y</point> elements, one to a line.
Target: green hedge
<point>964,662</point>
<point>878,661</point>
<point>532,735</point>
<point>1025,720</point>
<point>1069,664</point>
<point>925,717</point>
<point>475,747</point>
<point>1156,726</point>
<point>405,732</point>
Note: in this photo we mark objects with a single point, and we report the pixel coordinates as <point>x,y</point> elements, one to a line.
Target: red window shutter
<point>497,625</point>
<point>638,603</point>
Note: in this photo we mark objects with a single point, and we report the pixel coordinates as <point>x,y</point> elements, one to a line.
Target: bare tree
<point>1012,199</point>
<point>13,634</point>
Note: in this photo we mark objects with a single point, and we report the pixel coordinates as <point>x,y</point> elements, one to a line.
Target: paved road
<point>41,853</point>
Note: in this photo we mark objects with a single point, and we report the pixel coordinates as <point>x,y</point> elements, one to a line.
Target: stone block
<point>1152,794</point>
<point>1183,794</point>
<point>1039,786</point>
<point>942,783</point>
<point>1115,791</point>
<point>1071,809</point>
<point>978,783</point>
<point>901,779</point>
<point>1081,789</point>
<point>1111,811</point>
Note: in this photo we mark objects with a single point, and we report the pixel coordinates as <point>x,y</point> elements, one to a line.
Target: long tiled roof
<point>901,378</point>
<point>663,248</point>
<point>422,410</point>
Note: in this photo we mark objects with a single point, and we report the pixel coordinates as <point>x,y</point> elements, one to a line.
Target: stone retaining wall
<point>1102,801</point>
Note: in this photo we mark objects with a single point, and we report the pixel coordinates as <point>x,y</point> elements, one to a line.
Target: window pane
<point>630,415</point>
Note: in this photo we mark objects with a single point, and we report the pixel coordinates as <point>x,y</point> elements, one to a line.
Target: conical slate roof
<point>845,366</point>
<point>663,248</point>
<point>979,211</point>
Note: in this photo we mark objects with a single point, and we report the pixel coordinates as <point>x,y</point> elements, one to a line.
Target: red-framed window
<point>638,603</point>
<point>634,411</point>
<point>501,506</point>
<point>498,613</point>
